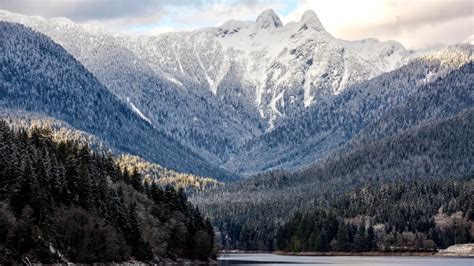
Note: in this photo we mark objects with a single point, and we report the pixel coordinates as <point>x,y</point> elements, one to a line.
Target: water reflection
<point>271,259</point>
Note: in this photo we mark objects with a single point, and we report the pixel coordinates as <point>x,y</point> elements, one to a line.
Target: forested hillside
<point>395,216</point>
<point>249,212</point>
<point>440,98</point>
<point>38,75</point>
<point>62,202</point>
<point>426,89</point>
<point>62,131</point>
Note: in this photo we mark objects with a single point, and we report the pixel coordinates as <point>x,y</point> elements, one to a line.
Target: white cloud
<point>130,15</point>
<point>86,10</point>
<point>416,24</point>
<point>219,13</point>
<point>208,15</point>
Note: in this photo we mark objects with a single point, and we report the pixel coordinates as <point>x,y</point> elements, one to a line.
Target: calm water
<point>271,259</point>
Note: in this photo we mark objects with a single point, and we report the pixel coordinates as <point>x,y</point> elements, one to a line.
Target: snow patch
<point>175,81</point>
<point>345,78</point>
<point>274,101</point>
<point>212,83</point>
<point>274,108</point>
<point>308,98</point>
<point>180,65</point>
<point>138,112</point>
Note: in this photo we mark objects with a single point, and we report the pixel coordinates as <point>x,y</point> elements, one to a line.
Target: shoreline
<point>351,254</point>
<point>360,254</point>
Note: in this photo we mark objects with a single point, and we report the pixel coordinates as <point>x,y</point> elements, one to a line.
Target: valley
<point>252,136</point>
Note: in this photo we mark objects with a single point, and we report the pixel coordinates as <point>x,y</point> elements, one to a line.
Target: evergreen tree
<point>342,237</point>
<point>136,180</point>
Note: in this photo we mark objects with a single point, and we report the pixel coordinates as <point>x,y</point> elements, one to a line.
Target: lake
<point>272,259</point>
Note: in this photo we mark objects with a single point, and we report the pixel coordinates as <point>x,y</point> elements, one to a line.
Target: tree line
<point>401,216</point>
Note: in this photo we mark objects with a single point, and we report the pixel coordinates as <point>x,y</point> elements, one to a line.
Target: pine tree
<point>24,186</point>
<point>136,180</point>
<point>342,237</point>
<point>140,249</point>
<point>370,239</point>
<point>322,241</point>
<point>84,187</point>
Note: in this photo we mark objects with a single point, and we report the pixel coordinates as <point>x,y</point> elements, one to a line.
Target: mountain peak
<point>312,19</point>
<point>268,19</point>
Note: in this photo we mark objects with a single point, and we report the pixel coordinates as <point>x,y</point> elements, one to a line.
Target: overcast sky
<point>418,24</point>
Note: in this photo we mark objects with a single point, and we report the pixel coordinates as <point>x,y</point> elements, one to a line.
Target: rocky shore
<point>463,250</point>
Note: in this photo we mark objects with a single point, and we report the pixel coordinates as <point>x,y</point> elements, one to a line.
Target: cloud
<point>134,16</point>
<point>417,24</point>
<point>219,13</point>
<point>97,10</point>
<point>85,10</point>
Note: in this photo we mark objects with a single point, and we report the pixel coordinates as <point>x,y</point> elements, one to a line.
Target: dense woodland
<point>248,213</point>
<point>62,202</point>
<point>400,216</point>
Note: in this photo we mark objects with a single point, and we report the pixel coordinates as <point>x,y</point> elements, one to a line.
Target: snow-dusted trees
<point>39,76</point>
<point>419,92</point>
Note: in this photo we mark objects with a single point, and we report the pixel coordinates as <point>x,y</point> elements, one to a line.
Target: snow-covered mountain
<point>264,65</point>
<point>194,117</point>
<point>246,75</point>
<point>359,110</point>
<point>251,95</point>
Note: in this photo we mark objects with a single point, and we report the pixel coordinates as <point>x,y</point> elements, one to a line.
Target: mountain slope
<point>40,76</point>
<point>439,99</point>
<point>330,124</point>
<point>193,117</point>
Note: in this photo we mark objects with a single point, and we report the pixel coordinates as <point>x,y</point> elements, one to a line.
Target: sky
<point>417,24</point>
